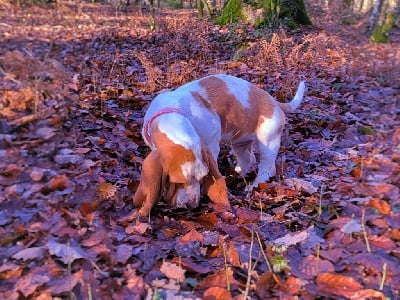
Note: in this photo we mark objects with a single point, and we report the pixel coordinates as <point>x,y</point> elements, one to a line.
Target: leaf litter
<point>71,110</point>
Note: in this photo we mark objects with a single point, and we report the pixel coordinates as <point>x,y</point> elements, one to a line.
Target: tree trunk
<point>361,6</point>
<point>272,12</point>
<point>383,18</point>
<point>201,5</point>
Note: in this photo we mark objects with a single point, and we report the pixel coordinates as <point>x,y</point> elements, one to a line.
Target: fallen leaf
<point>197,267</point>
<point>135,284</point>
<point>381,242</point>
<point>292,285</point>
<point>59,182</point>
<point>351,226</point>
<point>139,228</point>
<point>66,253</point>
<point>216,293</point>
<point>246,215</point>
<point>300,184</point>
<point>106,190</point>
<point>232,255</point>
<point>66,283</point>
<point>292,239</point>
<point>46,133</point>
<point>10,270</point>
<point>12,169</point>
<point>82,150</point>
<point>36,175</point>
<point>380,205</point>
<point>219,279</point>
<point>264,285</point>
<point>66,159</point>
<point>210,238</point>
<point>375,262</point>
<point>173,271</point>
<point>192,235</point>
<point>30,253</point>
<point>165,284</point>
<point>28,284</point>
<point>339,285</point>
<point>124,252</point>
<point>368,294</point>
<point>333,255</point>
<point>311,266</point>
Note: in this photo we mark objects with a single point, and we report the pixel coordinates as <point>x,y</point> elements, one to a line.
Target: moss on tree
<point>231,12</point>
<point>288,12</point>
<point>381,31</point>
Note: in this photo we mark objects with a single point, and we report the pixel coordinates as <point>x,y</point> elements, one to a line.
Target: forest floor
<point>74,85</point>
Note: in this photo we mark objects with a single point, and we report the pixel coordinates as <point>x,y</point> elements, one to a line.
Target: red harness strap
<point>146,126</point>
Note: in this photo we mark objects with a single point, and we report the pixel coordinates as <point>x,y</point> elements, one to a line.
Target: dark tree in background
<point>383,15</point>
<point>265,12</point>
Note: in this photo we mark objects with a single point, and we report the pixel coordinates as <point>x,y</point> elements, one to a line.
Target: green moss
<point>367,130</point>
<point>175,4</point>
<point>231,12</point>
<point>265,12</point>
<point>381,32</point>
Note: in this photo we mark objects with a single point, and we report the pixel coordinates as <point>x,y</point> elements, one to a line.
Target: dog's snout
<point>189,196</point>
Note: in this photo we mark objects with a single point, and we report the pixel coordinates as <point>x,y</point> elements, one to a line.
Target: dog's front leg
<point>151,184</point>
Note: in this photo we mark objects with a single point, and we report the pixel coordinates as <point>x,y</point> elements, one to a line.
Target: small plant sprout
<point>279,262</point>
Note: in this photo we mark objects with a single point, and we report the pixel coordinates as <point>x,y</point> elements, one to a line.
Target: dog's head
<point>175,169</point>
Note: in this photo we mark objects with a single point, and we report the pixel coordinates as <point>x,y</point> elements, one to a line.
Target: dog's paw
<point>218,193</point>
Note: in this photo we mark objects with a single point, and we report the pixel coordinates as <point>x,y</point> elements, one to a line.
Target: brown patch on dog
<point>172,156</point>
<point>200,99</point>
<point>263,101</point>
<point>235,118</point>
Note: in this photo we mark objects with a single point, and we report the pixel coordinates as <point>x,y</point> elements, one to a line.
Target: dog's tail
<point>294,104</point>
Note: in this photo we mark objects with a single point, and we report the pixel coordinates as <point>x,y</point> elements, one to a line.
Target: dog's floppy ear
<point>214,183</point>
<point>151,184</point>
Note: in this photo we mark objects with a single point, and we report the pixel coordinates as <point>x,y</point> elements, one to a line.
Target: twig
<point>90,297</point>
<point>383,277</point>
<point>320,201</point>
<point>69,271</point>
<point>8,76</point>
<point>5,25</point>
<point>364,231</point>
<point>104,273</point>
<point>228,283</point>
<point>262,251</point>
<point>249,267</point>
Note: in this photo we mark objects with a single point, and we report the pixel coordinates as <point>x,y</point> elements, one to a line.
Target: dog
<point>184,129</point>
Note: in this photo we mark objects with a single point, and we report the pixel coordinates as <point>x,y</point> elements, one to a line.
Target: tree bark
<point>383,18</point>
<point>272,12</point>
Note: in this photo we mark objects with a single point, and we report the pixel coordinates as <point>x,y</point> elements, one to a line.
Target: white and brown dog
<point>184,129</point>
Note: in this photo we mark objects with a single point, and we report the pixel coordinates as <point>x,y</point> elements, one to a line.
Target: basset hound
<point>184,129</point>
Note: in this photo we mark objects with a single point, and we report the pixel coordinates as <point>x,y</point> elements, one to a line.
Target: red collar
<point>147,124</point>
